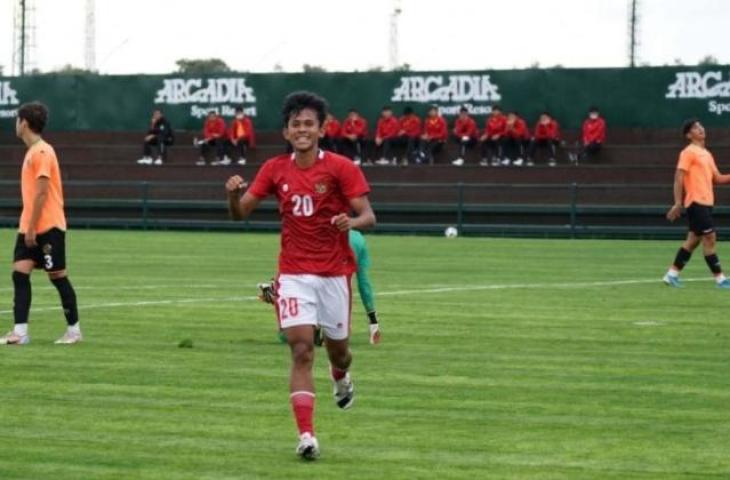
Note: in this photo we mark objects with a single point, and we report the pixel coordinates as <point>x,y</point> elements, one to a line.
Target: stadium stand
<point>624,192</point>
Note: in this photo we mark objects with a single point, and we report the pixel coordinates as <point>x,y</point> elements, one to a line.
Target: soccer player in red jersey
<point>316,191</point>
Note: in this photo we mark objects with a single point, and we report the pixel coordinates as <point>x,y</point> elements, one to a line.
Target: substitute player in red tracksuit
<point>593,135</point>
<point>515,137</point>
<point>433,138</point>
<point>316,190</point>
<point>386,136</point>
<point>491,140</point>
<point>354,136</point>
<point>241,135</point>
<point>546,138</point>
<point>409,133</point>
<point>214,135</point>
<point>332,134</point>
<point>465,134</point>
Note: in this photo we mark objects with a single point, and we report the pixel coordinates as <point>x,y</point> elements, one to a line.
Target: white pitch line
<point>143,303</point>
<point>116,287</point>
<point>381,294</point>
<point>608,283</point>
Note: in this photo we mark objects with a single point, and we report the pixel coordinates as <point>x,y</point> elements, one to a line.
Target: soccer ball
<point>451,232</point>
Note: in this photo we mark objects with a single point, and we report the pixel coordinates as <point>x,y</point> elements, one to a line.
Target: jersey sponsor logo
<point>221,94</point>
<point>320,187</point>
<point>47,249</point>
<point>702,85</point>
<point>449,92</point>
<point>8,98</point>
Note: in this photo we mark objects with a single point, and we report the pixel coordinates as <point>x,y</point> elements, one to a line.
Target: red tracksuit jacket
<point>387,127</point>
<point>357,126</point>
<point>214,127</point>
<point>465,127</point>
<point>495,125</point>
<point>332,128</point>
<point>547,131</point>
<point>435,128</point>
<point>594,130</point>
<point>243,129</point>
<point>410,125</point>
<point>518,130</point>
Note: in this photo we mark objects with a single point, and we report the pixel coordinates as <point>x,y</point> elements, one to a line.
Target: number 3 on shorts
<point>288,307</point>
<point>48,262</point>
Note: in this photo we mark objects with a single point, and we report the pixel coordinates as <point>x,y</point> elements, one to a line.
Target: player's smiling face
<point>303,130</point>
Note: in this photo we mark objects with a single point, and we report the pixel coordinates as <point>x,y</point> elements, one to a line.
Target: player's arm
<point>41,194</point>
<point>676,211</point>
<point>721,179</point>
<point>240,205</point>
<point>364,216</point>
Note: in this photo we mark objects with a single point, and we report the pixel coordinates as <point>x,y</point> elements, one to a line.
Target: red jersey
<point>332,128</point>
<point>243,128</point>
<point>435,128</point>
<point>410,125</point>
<point>355,126</point>
<point>308,199</point>
<point>594,130</point>
<point>495,125</point>
<point>547,131</point>
<point>517,130</point>
<point>387,127</point>
<point>465,127</point>
<point>214,128</point>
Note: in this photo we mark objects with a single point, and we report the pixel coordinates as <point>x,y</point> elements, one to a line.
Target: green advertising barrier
<point>648,97</point>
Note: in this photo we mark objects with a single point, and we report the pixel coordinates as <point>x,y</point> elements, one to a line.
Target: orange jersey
<point>40,161</point>
<point>699,170</point>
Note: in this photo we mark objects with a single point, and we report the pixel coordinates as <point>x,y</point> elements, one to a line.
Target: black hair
<point>239,108</point>
<point>297,101</point>
<point>496,107</point>
<point>463,109</point>
<point>688,124</point>
<point>36,114</point>
<point>212,112</point>
<point>386,107</point>
<point>407,111</point>
<point>593,108</point>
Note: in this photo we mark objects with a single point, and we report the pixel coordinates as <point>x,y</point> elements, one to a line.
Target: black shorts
<point>700,219</point>
<point>49,254</point>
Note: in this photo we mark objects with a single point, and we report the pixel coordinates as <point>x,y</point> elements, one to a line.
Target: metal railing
<point>568,210</point>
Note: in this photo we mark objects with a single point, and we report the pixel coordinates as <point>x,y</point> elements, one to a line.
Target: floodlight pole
<point>22,37</point>
<point>633,27</point>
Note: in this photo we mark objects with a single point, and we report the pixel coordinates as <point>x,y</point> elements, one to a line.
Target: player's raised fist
<point>235,184</point>
<point>341,221</point>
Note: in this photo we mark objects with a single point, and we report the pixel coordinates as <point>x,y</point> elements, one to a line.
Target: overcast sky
<point>144,36</point>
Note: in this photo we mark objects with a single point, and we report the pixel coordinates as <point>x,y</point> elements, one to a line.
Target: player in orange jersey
<point>41,241</point>
<point>693,189</point>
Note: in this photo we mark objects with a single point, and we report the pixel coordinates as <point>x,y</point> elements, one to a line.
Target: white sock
<point>75,328</point>
<point>21,329</point>
<point>720,278</point>
<point>673,273</point>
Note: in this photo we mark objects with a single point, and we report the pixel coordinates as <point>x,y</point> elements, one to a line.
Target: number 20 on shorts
<point>288,307</point>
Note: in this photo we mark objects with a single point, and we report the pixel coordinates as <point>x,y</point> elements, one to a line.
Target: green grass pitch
<point>501,359</point>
